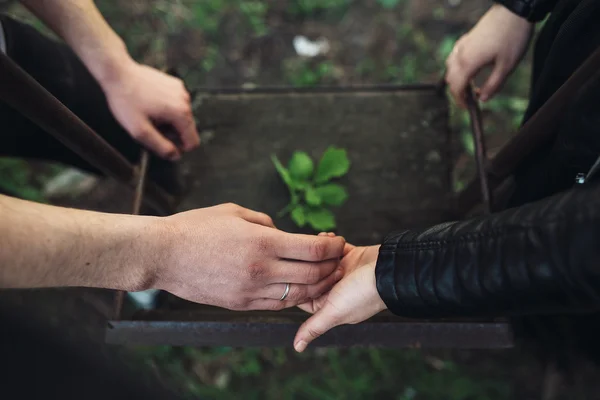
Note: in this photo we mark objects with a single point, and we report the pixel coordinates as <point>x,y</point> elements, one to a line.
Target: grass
<point>226,373</point>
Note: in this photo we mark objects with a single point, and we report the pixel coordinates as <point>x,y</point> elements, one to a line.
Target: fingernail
<point>338,274</point>
<point>300,346</point>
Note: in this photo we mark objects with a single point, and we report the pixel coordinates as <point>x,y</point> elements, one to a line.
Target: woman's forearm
<point>48,246</point>
<point>85,30</point>
<point>538,258</point>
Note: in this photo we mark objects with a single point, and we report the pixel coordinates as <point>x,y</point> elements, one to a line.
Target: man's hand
<point>352,300</point>
<point>232,257</point>
<point>225,255</point>
<point>500,39</point>
<point>142,97</point>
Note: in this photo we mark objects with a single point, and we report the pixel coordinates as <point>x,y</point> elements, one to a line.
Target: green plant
<point>300,72</point>
<point>389,4</point>
<point>310,7</point>
<point>311,192</point>
<point>255,12</point>
<point>19,179</point>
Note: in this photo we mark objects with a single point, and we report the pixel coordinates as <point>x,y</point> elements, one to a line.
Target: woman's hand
<point>352,300</point>
<point>500,39</point>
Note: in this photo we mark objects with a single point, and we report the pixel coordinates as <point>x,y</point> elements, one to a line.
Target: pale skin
<point>352,300</point>
<point>139,96</point>
<point>499,40</point>
<point>226,255</point>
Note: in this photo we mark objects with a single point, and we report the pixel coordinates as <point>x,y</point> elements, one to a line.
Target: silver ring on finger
<point>285,292</point>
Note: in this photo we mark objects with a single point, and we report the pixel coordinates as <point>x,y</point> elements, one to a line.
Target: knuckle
<point>313,275</point>
<point>257,272</point>
<point>263,245</point>
<point>318,249</point>
<point>187,112</point>
<point>141,134</point>
<point>314,333</point>
<point>231,207</point>
<point>297,293</point>
<point>268,220</point>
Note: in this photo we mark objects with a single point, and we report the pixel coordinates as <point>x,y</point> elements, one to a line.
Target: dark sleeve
<point>539,258</point>
<point>531,10</point>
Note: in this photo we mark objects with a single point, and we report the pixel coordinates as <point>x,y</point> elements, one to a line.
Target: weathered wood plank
<point>397,142</point>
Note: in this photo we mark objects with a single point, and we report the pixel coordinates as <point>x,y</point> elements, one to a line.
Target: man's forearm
<point>48,246</point>
<point>84,29</point>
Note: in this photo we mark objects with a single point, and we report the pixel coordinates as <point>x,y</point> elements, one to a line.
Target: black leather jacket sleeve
<point>531,10</point>
<point>539,258</point>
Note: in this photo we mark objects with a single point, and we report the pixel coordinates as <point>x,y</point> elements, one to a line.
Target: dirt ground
<point>227,43</point>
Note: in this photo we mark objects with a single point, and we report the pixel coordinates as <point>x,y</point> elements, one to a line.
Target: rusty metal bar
<point>480,151</point>
<point>19,90</point>
<point>141,183</point>
<point>317,89</point>
<point>470,335</point>
<point>537,130</point>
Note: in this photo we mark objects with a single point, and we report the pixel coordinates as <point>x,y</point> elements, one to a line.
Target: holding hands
<point>352,300</point>
<point>235,258</point>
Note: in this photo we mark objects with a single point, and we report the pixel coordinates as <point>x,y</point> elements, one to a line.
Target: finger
<point>348,248</point>
<point>493,83</point>
<point>308,247</point>
<point>321,322</point>
<point>269,305</point>
<point>256,217</point>
<point>300,293</point>
<point>302,273</point>
<point>457,83</point>
<point>150,137</point>
<point>315,305</point>
<point>459,73</point>
<point>307,307</point>
<point>329,234</point>
<point>183,122</point>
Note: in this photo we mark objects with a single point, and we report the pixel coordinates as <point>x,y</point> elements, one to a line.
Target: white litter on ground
<point>307,48</point>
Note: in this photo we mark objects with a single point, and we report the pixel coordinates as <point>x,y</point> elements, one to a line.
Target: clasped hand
<point>350,301</point>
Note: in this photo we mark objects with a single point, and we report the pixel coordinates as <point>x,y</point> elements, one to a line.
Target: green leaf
<point>283,172</point>
<point>301,166</point>
<point>321,219</point>
<point>333,164</point>
<point>312,197</point>
<point>298,216</point>
<point>332,194</point>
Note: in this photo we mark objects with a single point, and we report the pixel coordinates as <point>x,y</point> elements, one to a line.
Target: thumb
<point>315,326</point>
<point>493,83</point>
